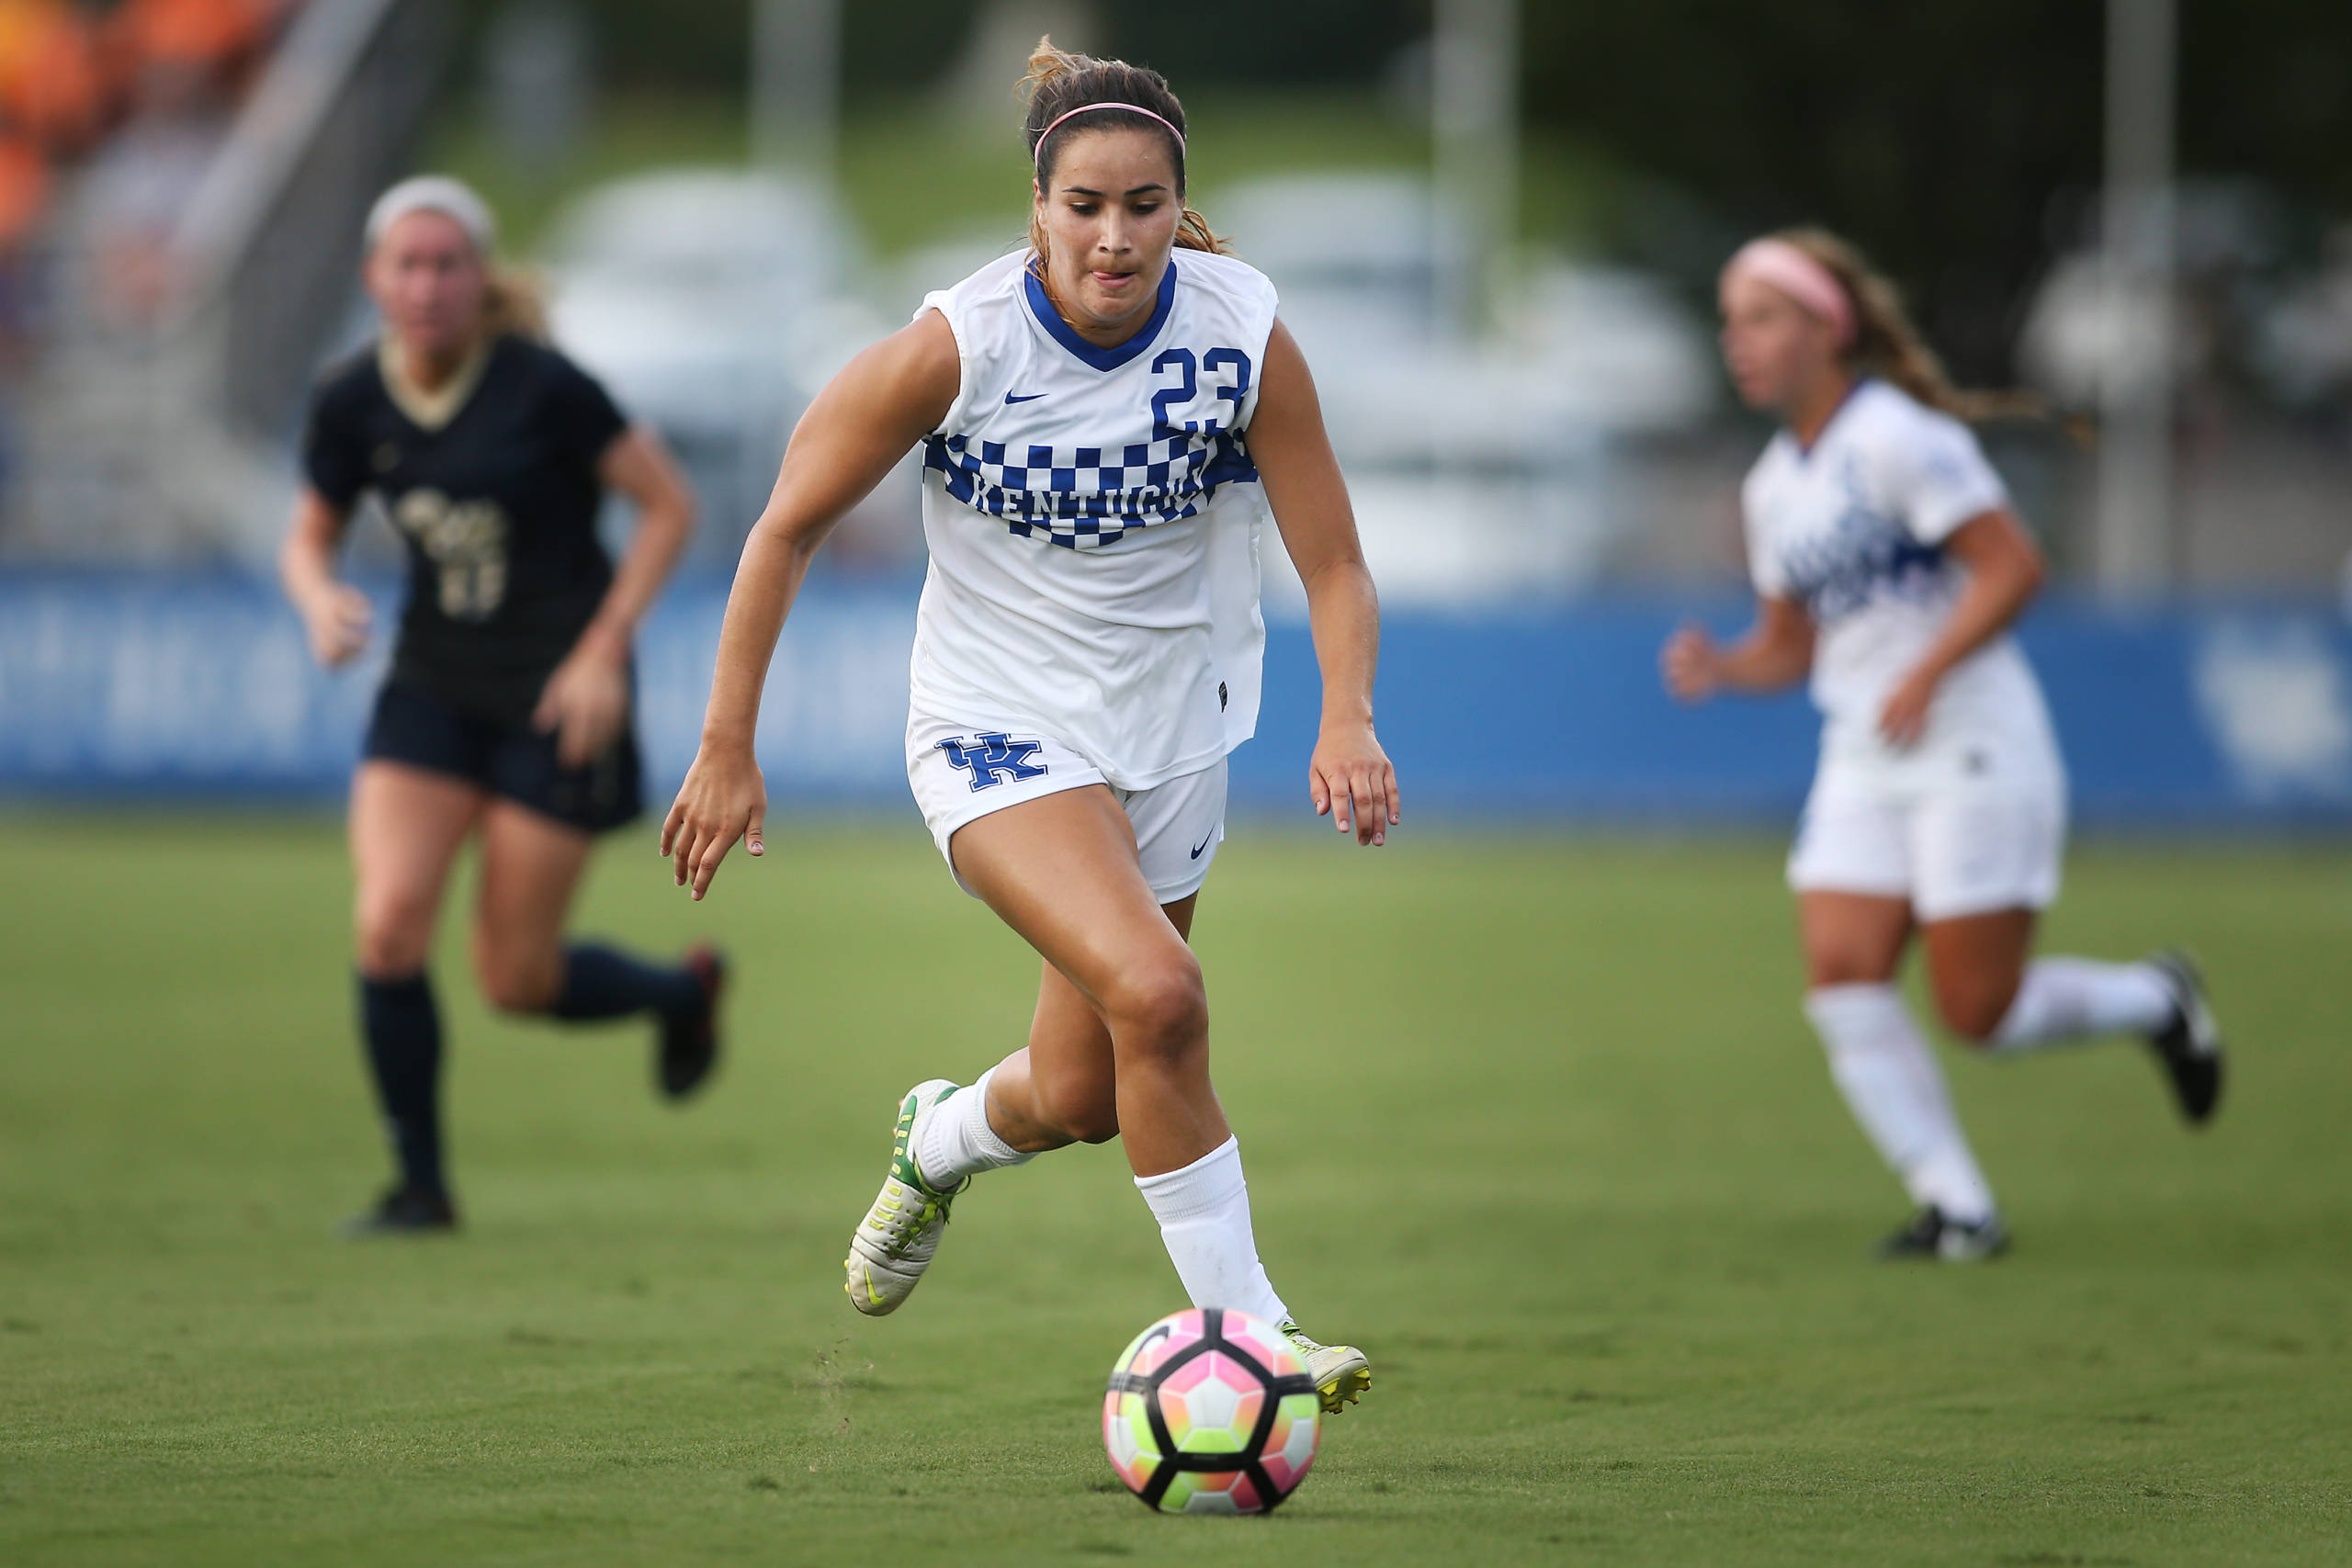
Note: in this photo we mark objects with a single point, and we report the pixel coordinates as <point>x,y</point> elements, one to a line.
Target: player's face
<point>1773,348</point>
<point>428,282</point>
<point>1110,220</point>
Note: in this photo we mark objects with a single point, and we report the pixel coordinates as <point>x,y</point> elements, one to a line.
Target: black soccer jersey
<point>498,509</point>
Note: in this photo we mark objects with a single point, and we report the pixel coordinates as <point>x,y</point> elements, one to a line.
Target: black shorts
<point>422,728</point>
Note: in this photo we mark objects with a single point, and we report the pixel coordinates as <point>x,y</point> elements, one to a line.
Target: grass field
<point>1535,1121</point>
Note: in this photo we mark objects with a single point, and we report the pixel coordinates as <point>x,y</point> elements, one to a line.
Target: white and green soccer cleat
<point>896,1241</point>
<point>1339,1372</point>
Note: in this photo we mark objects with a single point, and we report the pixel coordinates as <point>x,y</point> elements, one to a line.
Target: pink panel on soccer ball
<point>1190,1376</point>
<point>1261,1340</point>
<point>1182,1329</point>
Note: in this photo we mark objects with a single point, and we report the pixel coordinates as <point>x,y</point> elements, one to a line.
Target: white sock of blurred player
<point>1887,1071</point>
<point>1204,1214</point>
<point>955,1141</point>
<point>2066,999</point>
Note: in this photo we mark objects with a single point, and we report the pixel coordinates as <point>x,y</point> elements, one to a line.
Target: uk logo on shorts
<point>989,755</point>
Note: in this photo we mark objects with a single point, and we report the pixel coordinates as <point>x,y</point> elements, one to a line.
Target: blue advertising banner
<point>153,684</point>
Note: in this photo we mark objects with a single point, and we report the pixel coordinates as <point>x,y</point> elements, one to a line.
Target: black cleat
<point>405,1211</point>
<point>2190,1046</point>
<point>1931,1235</point>
<point>690,1039</point>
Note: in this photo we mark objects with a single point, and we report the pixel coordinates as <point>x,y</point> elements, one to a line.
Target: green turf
<point>1536,1122</point>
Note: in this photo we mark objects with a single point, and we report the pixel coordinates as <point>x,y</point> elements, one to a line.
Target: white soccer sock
<point>955,1141</point>
<point>1887,1072</point>
<point>1203,1213</point>
<point>2062,1000</point>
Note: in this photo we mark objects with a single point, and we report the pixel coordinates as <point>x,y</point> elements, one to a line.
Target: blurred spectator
<point>24,190</point>
<point>217,39</point>
<point>183,66</point>
<point>52,84</point>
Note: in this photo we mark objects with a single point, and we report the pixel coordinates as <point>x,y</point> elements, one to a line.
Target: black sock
<point>403,1029</point>
<point>603,981</point>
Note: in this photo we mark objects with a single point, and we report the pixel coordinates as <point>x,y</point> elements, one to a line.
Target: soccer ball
<point>1210,1412</point>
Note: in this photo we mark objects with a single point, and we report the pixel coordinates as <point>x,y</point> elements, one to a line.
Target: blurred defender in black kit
<point>507,716</point>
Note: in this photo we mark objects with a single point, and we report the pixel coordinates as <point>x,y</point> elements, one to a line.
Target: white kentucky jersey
<point>1093,520</point>
<point>1854,529</point>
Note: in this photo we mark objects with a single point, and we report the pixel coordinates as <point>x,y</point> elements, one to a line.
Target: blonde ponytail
<point>514,305</point>
<point>1888,346</point>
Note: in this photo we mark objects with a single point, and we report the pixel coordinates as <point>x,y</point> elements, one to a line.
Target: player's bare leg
<point>1994,993</point>
<point>1119,1046</point>
<point>531,869</point>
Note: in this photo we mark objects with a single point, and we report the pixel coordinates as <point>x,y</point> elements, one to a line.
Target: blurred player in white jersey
<point>1889,564</point>
<point>1086,655</point>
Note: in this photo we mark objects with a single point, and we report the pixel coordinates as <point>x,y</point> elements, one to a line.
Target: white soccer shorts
<point>1952,851</point>
<point>962,773</point>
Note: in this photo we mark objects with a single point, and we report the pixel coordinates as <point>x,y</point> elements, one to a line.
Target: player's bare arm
<point>1776,653</point>
<point>335,616</point>
<point>882,403</point>
<point>1349,777</point>
<point>586,699</point>
<point>2005,571</point>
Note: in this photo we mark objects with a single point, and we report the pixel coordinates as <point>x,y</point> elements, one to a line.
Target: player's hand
<point>723,799</point>
<point>1691,664</point>
<point>584,703</point>
<point>1351,780</point>
<point>337,620</point>
<point>1905,717</point>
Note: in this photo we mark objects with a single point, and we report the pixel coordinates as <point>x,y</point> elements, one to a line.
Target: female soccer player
<point>1888,562</point>
<point>507,714</point>
<point>1086,654</point>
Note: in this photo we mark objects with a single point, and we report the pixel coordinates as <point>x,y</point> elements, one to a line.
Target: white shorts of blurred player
<point>1954,847</point>
<point>960,773</point>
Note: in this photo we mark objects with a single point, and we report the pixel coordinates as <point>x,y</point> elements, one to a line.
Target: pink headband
<point>1088,108</point>
<point>1787,268</point>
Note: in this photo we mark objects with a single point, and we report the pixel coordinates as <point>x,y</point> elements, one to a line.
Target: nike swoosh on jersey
<point>1202,845</point>
<point>1011,398</point>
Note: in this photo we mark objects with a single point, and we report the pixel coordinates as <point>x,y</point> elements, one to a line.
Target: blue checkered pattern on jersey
<point>1082,498</point>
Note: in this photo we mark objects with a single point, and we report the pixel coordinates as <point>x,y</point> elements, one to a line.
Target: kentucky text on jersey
<point>1083,500</point>
<point>1085,497</point>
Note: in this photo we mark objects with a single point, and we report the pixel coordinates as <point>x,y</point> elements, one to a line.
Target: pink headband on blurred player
<point>1088,108</point>
<point>1787,268</point>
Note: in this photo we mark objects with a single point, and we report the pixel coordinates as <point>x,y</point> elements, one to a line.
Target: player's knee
<point>1158,1008</point>
<point>1973,1012</point>
<point>392,935</point>
<point>1086,1112</point>
<point>1843,967</point>
<point>516,984</point>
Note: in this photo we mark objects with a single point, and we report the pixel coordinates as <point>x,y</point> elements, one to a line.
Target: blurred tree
<point>2266,90</point>
<point>1933,133</point>
<point>703,46</point>
<point>895,45</point>
<point>1210,42</point>
<point>1958,140</point>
